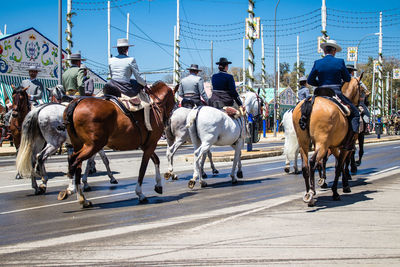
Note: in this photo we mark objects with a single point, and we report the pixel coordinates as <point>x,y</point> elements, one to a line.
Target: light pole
<point>359,42</point>
<point>276,82</point>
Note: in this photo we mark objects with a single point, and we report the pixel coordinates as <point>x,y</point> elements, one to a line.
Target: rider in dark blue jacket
<point>331,72</point>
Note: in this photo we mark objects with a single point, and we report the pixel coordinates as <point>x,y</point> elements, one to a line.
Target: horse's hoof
<point>346,189</point>
<point>18,177</point>
<point>143,200</point>
<point>175,177</point>
<point>62,195</point>
<point>204,175</point>
<point>353,170</point>
<point>296,171</point>
<point>158,189</point>
<point>324,185</point>
<point>308,197</point>
<point>358,163</point>
<point>191,184</point>
<point>287,169</point>
<point>92,171</point>
<point>239,174</point>
<point>203,184</point>
<point>167,175</point>
<point>42,189</point>
<point>336,197</point>
<point>215,172</point>
<point>87,188</point>
<point>234,181</point>
<point>87,204</point>
<point>113,181</point>
<point>311,203</point>
<point>349,178</point>
<point>321,181</point>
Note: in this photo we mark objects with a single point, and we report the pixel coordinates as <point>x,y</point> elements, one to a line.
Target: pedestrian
<point>303,90</point>
<point>224,89</point>
<point>35,87</point>
<point>122,67</point>
<point>191,88</point>
<point>88,82</point>
<point>72,78</point>
<point>329,73</point>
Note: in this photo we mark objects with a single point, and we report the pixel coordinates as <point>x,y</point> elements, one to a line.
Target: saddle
<point>130,105</point>
<point>233,112</point>
<point>328,93</point>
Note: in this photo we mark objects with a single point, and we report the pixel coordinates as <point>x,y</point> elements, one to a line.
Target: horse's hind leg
<point>214,170</point>
<point>361,148</point>
<point>158,187</point>
<point>236,161</point>
<point>89,164</point>
<point>49,150</point>
<point>287,164</point>
<point>198,154</point>
<point>296,155</point>
<point>170,156</point>
<point>107,164</point>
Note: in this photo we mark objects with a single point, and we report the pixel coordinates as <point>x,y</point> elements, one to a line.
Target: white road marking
<point>396,147</point>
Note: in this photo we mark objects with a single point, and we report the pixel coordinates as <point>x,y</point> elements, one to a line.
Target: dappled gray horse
<point>177,134</point>
<point>43,133</point>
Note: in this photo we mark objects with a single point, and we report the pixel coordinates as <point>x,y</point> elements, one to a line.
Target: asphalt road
<point>29,223</point>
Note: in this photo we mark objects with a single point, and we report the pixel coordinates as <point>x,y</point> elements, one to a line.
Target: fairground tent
<point>26,48</point>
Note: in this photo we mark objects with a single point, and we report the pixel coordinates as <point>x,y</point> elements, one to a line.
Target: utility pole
<point>275,76</point>
<point>212,61</point>
<point>250,81</point>
<point>380,69</point>
<point>391,95</point>
<point>278,86</point>
<point>127,26</point>
<point>373,92</point>
<point>177,46</point>
<point>297,68</point>
<point>263,76</point>
<point>244,63</point>
<point>109,28</point>
<point>59,59</point>
<point>387,94</point>
<point>323,19</point>
<point>174,73</point>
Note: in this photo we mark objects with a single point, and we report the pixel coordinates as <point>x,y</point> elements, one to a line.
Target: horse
<point>327,129</point>
<point>43,133</point>
<point>93,123</point>
<point>221,130</point>
<point>177,134</point>
<point>20,108</point>
<point>291,148</point>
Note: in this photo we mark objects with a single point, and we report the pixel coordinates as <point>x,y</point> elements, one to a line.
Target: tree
<point>302,69</point>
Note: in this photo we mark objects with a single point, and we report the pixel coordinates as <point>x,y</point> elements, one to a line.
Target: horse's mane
<point>351,93</point>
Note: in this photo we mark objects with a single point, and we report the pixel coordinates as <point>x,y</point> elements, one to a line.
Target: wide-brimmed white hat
<point>331,43</point>
<point>123,42</point>
<point>76,56</point>
<point>33,67</point>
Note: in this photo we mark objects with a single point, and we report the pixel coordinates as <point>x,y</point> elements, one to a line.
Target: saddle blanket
<point>139,102</point>
<point>233,112</point>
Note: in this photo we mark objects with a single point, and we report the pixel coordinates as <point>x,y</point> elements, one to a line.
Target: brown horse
<point>20,108</point>
<point>93,123</point>
<point>327,129</point>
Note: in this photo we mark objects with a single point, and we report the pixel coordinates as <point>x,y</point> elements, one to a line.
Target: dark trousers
<point>354,117</point>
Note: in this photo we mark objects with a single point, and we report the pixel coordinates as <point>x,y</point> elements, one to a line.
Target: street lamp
<point>276,82</point>
<point>365,36</point>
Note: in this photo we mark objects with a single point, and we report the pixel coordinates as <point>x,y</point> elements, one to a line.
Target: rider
<point>224,89</point>
<point>72,79</point>
<point>329,72</point>
<point>88,83</point>
<point>191,87</point>
<point>122,67</point>
<point>35,87</point>
<point>303,90</point>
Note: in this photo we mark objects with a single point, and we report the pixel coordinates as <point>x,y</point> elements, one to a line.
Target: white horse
<point>291,148</point>
<point>43,133</point>
<point>177,134</point>
<point>209,126</point>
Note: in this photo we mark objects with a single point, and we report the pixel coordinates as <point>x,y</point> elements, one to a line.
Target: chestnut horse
<point>20,108</point>
<point>327,129</point>
<point>93,123</point>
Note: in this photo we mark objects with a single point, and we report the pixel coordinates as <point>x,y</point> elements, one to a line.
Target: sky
<point>152,26</point>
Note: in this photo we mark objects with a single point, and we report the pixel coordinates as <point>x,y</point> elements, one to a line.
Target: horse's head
<point>164,97</point>
<point>352,89</point>
<point>57,93</point>
<point>20,101</point>
<point>253,103</point>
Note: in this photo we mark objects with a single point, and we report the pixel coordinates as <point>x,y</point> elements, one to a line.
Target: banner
<point>396,74</point>
<point>377,66</point>
<point>249,30</point>
<point>321,39</point>
<point>352,53</point>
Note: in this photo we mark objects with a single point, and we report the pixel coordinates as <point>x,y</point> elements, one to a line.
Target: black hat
<point>223,61</point>
<point>194,67</point>
<point>351,67</point>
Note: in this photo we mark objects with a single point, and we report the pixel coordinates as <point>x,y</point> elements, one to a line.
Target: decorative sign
<point>249,30</point>
<point>396,74</point>
<point>352,53</point>
<point>377,66</point>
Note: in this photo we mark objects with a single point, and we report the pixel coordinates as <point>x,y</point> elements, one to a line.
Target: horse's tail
<point>191,118</point>
<point>168,132</point>
<point>192,125</point>
<point>29,133</point>
<point>291,142</point>
<point>306,109</point>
